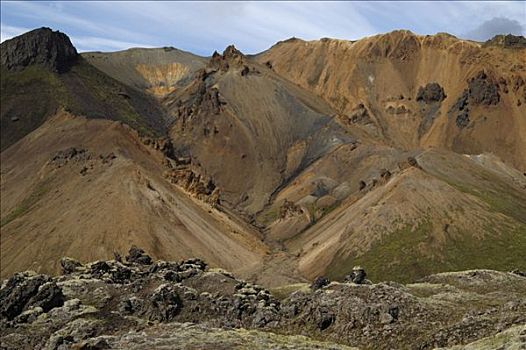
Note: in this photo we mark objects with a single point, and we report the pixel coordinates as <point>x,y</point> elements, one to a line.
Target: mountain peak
<point>41,46</point>
<point>507,41</point>
<point>231,57</point>
<point>232,52</point>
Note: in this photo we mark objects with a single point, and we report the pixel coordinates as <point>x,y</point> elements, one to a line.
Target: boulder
<point>24,291</point>
<point>69,265</point>
<point>357,275</point>
<point>138,256</point>
<point>49,296</point>
<point>319,283</point>
<point>163,305</point>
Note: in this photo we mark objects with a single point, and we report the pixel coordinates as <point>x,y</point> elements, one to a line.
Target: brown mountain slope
<point>296,162</point>
<point>450,214</point>
<point>249,129</point>
<point>88,205</point>
<point>374,84</point>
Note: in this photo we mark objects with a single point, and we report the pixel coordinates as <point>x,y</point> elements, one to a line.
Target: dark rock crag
<point>430,93</point>
<point>51,49</point>
<point>430,98</point>
<point>482,90</point>
<point>509,41</point>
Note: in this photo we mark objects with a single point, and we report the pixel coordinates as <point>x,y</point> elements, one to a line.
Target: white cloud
<point>202,27</point>
<point>494,26</point>
<point>91,43</point>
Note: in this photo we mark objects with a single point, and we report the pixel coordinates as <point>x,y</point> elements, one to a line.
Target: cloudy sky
<point>202,27</point>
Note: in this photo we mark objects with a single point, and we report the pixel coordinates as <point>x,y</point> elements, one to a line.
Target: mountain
<point>42,72</point>
<point>159,71</point>
<point>413,91</point>
<point>398,152</point>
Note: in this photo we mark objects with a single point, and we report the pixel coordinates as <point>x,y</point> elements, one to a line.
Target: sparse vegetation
<point>29,202</point>
<point>405,255</point>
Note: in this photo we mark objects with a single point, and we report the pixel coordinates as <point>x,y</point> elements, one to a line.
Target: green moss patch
<point>403,255</point>
<point>29,202</point>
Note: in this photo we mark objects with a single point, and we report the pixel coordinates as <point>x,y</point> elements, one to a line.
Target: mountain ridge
<point>275,153</point>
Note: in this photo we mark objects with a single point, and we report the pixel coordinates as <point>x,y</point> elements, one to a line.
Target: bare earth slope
<point>249,129</point>
<point>421,221</point>
<point>100,200</point>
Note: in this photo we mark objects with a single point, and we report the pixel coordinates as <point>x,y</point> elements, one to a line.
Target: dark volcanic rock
<point>48,297</point>
<point>18,291</point>
<point>357,275</point>
<point>100,313</point>
<point>69,265</point>
<point>483,90</point>
<point>461,102</point>
<point>137,255</point>
<point>24,291</point>
<point>319,282</point>
<point>430,93</point>
<point>51,49</point>
<point>99,268</point>
<point>507,41</point>
<point>462,119</point>
<point>164,304</point>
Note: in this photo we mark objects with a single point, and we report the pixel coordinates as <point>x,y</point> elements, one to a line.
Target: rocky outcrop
<point>138,256</point>
<point>319,283</point>
<point>359,115</point>
<point>482,90</point>
<point>81,158</point>
<point>509,41</point>
<point>431,93</point>
<point>231,57</point>
<point>289,209</point>
<point>26,291</point>
<point>194,183</point>
<point>357,276</point>
<point>62,157</point>
<point>409,162</point>
<point>50,49</point>
<point>430,98</point>
<point>204,102</point>
<point>104,304</point>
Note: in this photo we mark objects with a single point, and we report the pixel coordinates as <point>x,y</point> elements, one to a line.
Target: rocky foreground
<point>142,304</point>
